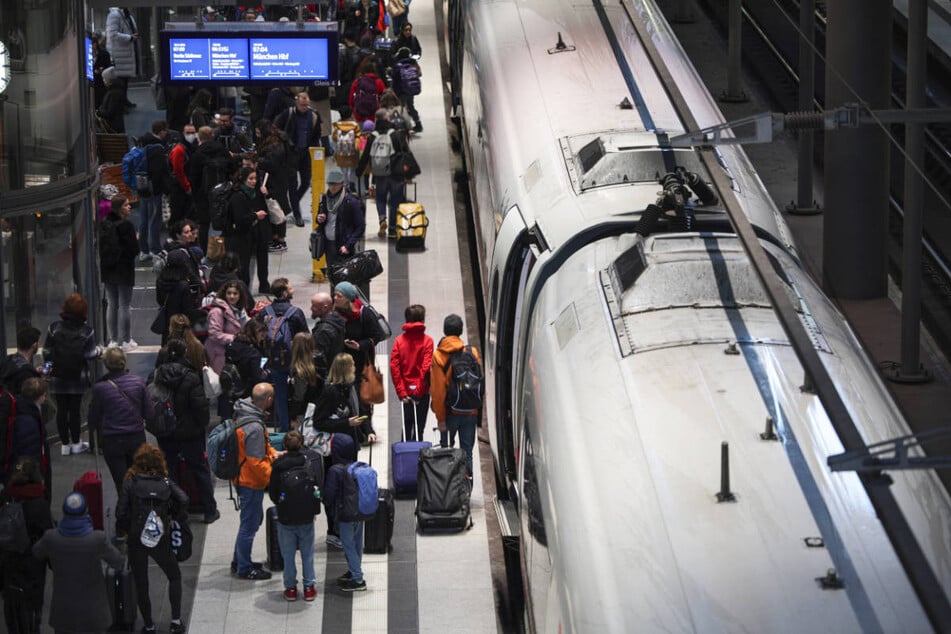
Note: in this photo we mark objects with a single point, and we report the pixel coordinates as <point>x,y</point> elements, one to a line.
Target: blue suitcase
<point>405,461</point>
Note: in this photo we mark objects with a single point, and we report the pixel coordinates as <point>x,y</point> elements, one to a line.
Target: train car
<point>621,353</point>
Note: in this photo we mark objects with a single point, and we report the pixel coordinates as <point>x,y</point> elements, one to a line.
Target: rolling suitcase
<point>189,485</point>
<point>275,561</point>
<point>122,599</point>
<point>378,532</point>
<point>442,489</point>
<point>405,461</point>
<point>411,224</point>
<point>90,485</point>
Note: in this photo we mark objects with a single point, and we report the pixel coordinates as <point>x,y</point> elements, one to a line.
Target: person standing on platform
<point>410,363</point>
<point>122,42</point>
<point>180,197</point>
<point>118,248</point>
<point>251,229</point>
<point>255,455</point>
<point>150,201</point>
<point>18,367</point>
<point>283,320</point>
<point>341,219</point>
<point>349,528</point>
<point>457,409</point>
<point>179,287</point>
<point>28,433</point>
<point>118,410</point>
<point>327,332</point>
<point>303,129</point>
<point>112,109</point>
<point>210,165</point>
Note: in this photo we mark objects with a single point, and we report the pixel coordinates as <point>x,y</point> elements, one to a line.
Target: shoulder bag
<point>371,384</point>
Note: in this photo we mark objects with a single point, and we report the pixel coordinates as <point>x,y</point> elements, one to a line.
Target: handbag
<point>216,248</point>
<point>318,243</point>
<point>274,212</point>
<point>211,381</point>
<point>363,266</point>
<point>160,323</point>
<point>182,539</point>
<point>403,165</point>
<point>371,387</point>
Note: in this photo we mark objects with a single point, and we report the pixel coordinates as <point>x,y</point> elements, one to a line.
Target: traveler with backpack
<point>340,218</point>
<point>456,384</point>
<point>246,354</point>
<point>365,93</point>
<point>248,228</point>
<point>75,552</point>
<point>148,502</point>
<point>28,432</point>
<point>70,343</point>
<point>255,456</point>
<point>152,187</point>
<point>211,164</point>
<point>351,490</point>
<point>177,392</point>
<point>346,131</point>
<point>18,367</point>
<point>294,488</point>
<point>410,361</point>
<point>406,75</point>
<point>118,248</point>
<point>378,157</point>
<point>283,320</point>
<point>180,327</point>
<point>179,286</point>
<point>118,410</point>
<point>23,576</point>
<point>303,126</point>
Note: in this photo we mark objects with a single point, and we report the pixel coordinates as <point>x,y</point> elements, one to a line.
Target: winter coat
<point>410,361</point>
<point>287,121</point>
<point>335,405</point>
<point>398,137</point>
<point>242,211</point>
<point>80,602</point>
<point>206,151</point>
<point>362,327</point>
<point>286,514</point>
<point>121,408</point>
<point>247,359</point>
<point>351,221</point>
<point>23,570</point>
<point>438,375</point>
<point>411,42</point>
<point>67,328</point>
<point>117,257</point>
<point>14,370</point>
<point>328,341</point>
<point>223,325</point>
<point>189,400</point>
<point>29,436</point>
<point>149,486</point>
<point>255,453</point>
<point>119,42</point>
<point>297,322</point>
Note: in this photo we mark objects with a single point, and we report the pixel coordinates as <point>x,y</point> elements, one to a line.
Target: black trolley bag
<point>121,591</point>
<point>378,532</point>
<point>275,561</point>
<point>358,268</point>
<point>442,490</point>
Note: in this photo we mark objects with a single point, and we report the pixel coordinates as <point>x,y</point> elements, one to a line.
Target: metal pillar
<point>805,204</point>
<point>734,89</point>
<point>855,225</point>
<point>911,370</point>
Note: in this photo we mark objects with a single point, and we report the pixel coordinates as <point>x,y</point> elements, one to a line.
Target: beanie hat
<point>368,126</point>
<point>452,325</point>
<point>335,177</point>
<point>347,290</point>
<point>74,504</point>
<point>109,75</point>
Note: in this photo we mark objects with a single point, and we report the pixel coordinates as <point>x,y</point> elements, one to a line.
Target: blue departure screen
<point>208,58</point>
<point>90,60</point>
<point>289,58</point>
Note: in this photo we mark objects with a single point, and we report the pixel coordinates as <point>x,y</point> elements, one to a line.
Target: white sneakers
<point>79,447</point>
<point>113,344</point>
<point>129,346</point>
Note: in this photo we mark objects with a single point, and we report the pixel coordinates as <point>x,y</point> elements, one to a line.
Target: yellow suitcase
<point>411,224</point>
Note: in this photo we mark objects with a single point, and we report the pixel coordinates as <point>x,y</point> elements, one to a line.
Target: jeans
<point>415,411</point>
<point>150,224</point>
<point>351,535</point>
<point>193,452</point>
<point>119,313</point>
<point>291,538</point>
<point>279,378</point>
<point>118,450</point>
<point>465,425</point>
<point>252,514</point>
<point>389,195</point>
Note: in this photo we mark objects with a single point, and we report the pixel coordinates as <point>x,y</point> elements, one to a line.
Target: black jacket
<point>191,405</point>
<point>247,358</point>
<point>14,370</point>
<point>118,248</point>
<point>328,341</point>
<point>28,437</point>
<point>149,486</point>
<point>242,212</point>
<point>288,514</point>
<point>333,410</point>
<point>287,121</point>
<point>196,167</point>
<point>23,570</point>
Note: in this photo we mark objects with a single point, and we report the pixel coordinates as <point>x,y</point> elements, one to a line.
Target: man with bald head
<point>327,331</point>
<point>255,456</point>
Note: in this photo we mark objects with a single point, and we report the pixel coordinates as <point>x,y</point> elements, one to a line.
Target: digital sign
<point>90,60</point>
<point>269,55</point>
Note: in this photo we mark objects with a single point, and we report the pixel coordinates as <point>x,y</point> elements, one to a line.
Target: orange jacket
<point>439,377</point>
<point>255,453</point>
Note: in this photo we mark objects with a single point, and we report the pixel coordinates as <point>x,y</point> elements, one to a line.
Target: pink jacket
<point>222,327</point>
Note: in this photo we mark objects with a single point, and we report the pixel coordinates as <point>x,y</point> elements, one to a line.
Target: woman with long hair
<point>250,231</point>
<point>338,406</point>
<point>272,151</point>
<point>246,353</point>
<point>305,382</point>
<point>226,315</point>
<point>180,327</point>
<point>147,489</point>
<point>199,109</point>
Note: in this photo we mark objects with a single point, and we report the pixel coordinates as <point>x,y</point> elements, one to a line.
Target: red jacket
<point>410,361</point>
<point>177,157</point>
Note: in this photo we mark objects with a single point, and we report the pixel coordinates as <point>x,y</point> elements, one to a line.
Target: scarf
<point>75,525</point>
<point>248,191</point>
<point>354,314</point>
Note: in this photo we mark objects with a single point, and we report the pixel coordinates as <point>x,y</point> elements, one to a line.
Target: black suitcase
<point>122,600</point>
<point>378,532</point>
<point>442,489</point>
<point>275,561</point>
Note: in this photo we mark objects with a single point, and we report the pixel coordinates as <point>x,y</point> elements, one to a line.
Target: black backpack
<point>299,484</point>
<point>69,348</point>
<point>216,170</point>
<point>150,494</point>
<point>14,537</point>
<point>163,423</point>
<point>465,382</point>
<point>220,208</point>
<point>109,249</point>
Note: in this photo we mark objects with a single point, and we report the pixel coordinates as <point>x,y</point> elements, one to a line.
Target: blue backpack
<point>279,339</point>
<point>223,450</point>
<point>360,496</point>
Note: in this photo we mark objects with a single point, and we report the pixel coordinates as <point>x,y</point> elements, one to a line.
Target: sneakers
<point>79,447</point>
<point>333,540</point>
<point>148,629</point>
<point>176,628</point>
<point>391,235</point>
<point>310,593</point>
<point>257,565</point>
<point>353,586</point>
<point>299,222</point>
<point>128,346</point>
<point>259,574</point>
<point>113,344</point>
<point>145,257</point>
<point>66,450</point>
<point>382,232</point>
<point>277,247</point>
<point>290,594</point>
<point>211,518</point>
<point>344,577</point>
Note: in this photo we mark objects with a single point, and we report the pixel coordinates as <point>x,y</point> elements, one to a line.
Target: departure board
<point>288,58</point>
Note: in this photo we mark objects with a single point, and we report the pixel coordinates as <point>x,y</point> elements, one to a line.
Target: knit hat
<point>368,126</point>
<point>347,290</point>
<point>74,504</point>
<point>335,177</point>
<point>108,191</point>
<point>109,75</point>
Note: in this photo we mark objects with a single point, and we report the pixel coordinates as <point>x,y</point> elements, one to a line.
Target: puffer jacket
<point>119,42</point>
<point>410,361</point>
<point>255,453</point>
<point>190,403</point>
<point>121,408</point>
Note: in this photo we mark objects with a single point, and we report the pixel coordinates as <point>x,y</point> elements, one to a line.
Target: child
<point>410,361</point>
<point>293,489</point>
<point>350,530</point>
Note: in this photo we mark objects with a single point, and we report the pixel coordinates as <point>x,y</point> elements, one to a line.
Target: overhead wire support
<point>894,454</point>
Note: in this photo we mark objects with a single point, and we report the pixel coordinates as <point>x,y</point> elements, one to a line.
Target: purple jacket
<point>114,413</point>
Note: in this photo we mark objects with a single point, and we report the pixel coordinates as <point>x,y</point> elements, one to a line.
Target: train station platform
<point>427,581</point>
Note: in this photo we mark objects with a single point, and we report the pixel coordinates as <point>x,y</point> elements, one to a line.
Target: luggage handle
<point>406,197</point>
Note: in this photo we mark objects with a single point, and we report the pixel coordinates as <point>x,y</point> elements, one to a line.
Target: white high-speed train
<point>618,361</point>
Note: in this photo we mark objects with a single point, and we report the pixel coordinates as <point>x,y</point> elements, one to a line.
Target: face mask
<point>191,138</point>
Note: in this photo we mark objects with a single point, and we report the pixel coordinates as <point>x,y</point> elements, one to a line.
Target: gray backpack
<point>381,153</point>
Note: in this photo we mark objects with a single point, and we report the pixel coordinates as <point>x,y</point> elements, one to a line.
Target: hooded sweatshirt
<point>255,453</point>
<point>410,361</point>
